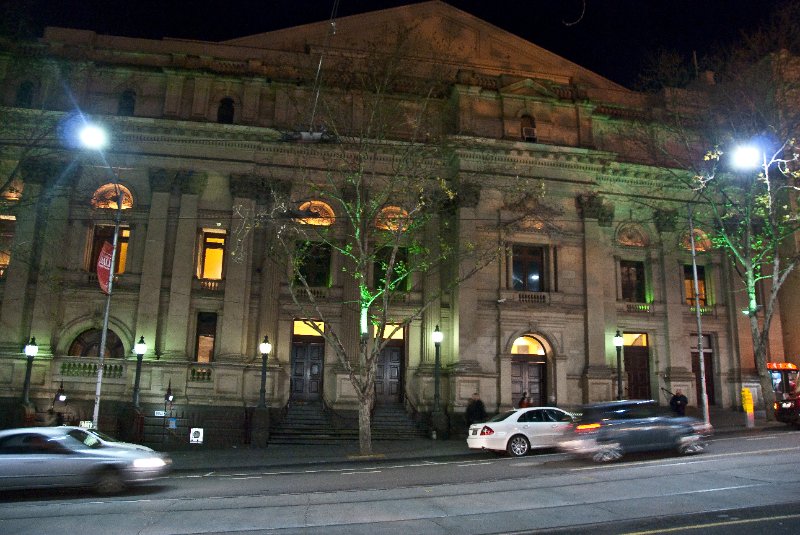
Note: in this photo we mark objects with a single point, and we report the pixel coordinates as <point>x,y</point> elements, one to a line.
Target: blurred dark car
<point>45,457</point>
<point>606,431</point>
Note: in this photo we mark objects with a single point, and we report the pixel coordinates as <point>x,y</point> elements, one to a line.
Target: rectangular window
<point>688,285</point>
<point>314,263</point>
<point>632,280</point>
<point>399,278</point>
<point>7,225</point>
<point>528,268</point>
<point>105,233</point>
<point>206,333</point>
<point>211,257</point>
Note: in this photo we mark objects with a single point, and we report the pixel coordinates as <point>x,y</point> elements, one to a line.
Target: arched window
<point>87,344</point>
<point>528,128</point>
<point>127,103</point>
<point>631,235</point>
<point>106,196</point>
<point>225,111</point>
<point>24,98</point>
<point>702,242</point>
<point>527,345</point>
<point>392,218</point>
<point>323,214</point>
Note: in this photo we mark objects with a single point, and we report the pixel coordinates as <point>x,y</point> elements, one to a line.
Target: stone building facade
<point>601,250</point>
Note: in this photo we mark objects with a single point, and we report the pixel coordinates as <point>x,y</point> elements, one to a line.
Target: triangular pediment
<point>447,36</point>
<point>530,88</point>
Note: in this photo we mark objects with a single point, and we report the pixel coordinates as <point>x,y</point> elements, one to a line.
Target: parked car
<point>43,457</point>
<point>520,430</point>
<point>606,431</point>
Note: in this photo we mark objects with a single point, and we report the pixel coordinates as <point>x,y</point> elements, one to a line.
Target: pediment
<point>443,35</point>
<point>530,88</point>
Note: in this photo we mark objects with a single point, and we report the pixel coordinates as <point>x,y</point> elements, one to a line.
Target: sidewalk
<point>206,460</point>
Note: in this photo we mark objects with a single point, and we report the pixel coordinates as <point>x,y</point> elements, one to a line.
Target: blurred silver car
<point>44,457</point>
<point>606,431</point>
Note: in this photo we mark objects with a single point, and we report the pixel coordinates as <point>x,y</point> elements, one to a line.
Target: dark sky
<point>612,38</point>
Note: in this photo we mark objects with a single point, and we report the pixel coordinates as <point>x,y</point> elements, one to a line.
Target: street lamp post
<point>437,336</point>
<point>140,348</point>
<point>699,320</point>
<point>618,342</point>
<point>95,138</point>
<point>31,349</point>
<point>265,347</point>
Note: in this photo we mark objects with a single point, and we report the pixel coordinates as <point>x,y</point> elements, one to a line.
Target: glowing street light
<point>437,337</point>
<point>264,347</point>
<point>31,350</point>
<point>618,342</point>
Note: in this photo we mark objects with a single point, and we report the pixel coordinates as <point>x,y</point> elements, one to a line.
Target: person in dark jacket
<point>678,403</point>
<point>476,412</point>
<point>523,401</point>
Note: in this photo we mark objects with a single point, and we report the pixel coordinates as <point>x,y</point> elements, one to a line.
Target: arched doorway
<point>87,344</point>
<point>529,370</point>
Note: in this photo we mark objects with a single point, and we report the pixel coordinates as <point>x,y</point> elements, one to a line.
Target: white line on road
<point>362,472</point>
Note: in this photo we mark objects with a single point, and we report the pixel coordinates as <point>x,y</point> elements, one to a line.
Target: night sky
<point>613,38</point>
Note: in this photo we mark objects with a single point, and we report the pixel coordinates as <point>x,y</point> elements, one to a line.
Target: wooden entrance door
<point>307,363</point>
<point>389,375</point>
<point>637,369</point>
<point>527,376</point>
<point>708,361</point>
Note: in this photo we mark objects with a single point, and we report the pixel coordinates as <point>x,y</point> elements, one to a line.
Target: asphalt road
<point>743,484</point>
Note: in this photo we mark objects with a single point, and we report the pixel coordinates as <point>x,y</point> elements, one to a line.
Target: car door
<point>26,462</point>
<point>533,425</point>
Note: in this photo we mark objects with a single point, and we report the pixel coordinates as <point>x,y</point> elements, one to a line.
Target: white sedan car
<point>520,430</point>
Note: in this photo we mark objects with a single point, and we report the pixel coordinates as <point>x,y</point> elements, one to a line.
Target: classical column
<point>236,302</point>
<point>600,288</point>
<point>148,309</point>
<point>183,267</point>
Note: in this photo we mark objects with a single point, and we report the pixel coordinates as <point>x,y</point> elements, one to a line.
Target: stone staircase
<point>309,423</point>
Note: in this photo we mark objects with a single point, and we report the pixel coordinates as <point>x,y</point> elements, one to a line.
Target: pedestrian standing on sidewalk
<point>476,411</point>
<point>678,403</point>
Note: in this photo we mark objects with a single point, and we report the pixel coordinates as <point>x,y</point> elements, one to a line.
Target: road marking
<point>683,529</point>
<point>706,458</point>
<point>362,472</point>
<point>474,464</point>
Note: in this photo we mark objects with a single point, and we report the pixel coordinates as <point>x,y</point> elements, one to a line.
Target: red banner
<point>104,266</point>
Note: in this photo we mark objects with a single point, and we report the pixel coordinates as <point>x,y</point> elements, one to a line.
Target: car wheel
<point>690,448</point>
<point>518,446</point>
<point>109,481</point>
<point>608,453</point>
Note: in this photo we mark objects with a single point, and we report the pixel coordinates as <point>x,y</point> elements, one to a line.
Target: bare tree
<point>376,190</point>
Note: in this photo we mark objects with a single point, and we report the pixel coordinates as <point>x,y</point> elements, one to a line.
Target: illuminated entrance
<point>308,359</point>
<point>528,370</point>
<point>637,365</point>
<point>389,368</point>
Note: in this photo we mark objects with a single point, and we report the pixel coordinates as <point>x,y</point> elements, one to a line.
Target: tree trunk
<point>365,423</point>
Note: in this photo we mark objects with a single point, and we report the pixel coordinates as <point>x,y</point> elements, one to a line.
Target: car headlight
<point>149,462</point>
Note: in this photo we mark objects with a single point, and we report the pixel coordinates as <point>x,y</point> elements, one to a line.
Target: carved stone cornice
<point>191,182</point>
<point>161,180</point>
<point>258,188</point>
<point>665,220</point>
<point>592,206</point>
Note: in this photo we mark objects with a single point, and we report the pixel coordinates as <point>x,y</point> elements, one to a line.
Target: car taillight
<point>583,428</point>
<point>487,431</point>
<point>775,405</point>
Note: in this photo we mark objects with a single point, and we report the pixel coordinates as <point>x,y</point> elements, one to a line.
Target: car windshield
<point>87,439</point>
<point>502,416</point>
<point>105,437</point>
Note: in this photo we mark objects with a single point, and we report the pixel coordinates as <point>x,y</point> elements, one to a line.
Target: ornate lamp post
<point>140,348</point>
<point>437,336</point>
<point>265,347</point>
<point>61,396</point>
<point>618,342</point>
<point>31,349</point>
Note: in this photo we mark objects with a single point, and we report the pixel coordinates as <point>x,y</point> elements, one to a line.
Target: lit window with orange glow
<point>323,214</point>
<point>211,256</point>
<point>392,218</point>
<point>106,196</point>
<point>105,233</point>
